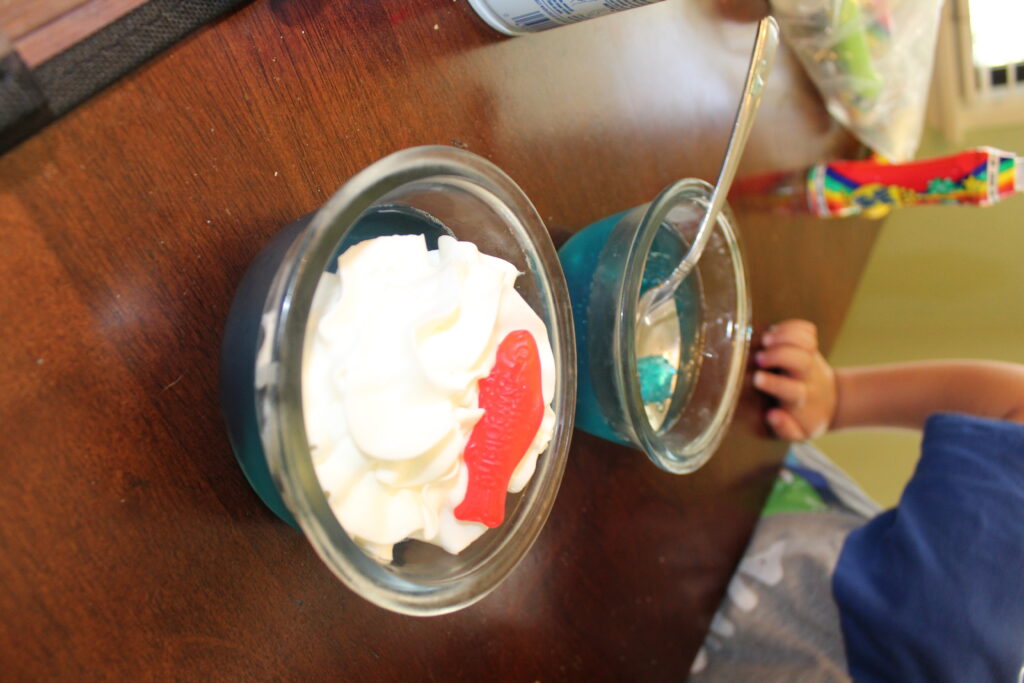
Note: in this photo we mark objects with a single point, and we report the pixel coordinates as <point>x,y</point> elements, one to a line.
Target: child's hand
<point>806,387</point>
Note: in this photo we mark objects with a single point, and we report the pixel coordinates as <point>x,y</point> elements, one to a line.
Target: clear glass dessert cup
<point>622,358</point>
<point>425,190</point>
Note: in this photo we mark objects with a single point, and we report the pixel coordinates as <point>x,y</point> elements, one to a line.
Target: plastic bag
<point>872,61</point>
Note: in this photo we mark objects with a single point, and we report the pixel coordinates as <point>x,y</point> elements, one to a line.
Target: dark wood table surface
<point>131,546</point>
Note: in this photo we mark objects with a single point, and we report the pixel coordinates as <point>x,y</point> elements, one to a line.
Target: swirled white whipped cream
<point>395,345</point>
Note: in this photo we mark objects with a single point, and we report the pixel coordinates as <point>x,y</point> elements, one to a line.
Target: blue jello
<point>579,257</point>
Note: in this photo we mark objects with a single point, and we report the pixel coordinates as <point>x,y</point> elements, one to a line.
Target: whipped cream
<point>395,345</point>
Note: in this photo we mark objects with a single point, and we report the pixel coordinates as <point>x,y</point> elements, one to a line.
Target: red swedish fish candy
<point>513,407</point>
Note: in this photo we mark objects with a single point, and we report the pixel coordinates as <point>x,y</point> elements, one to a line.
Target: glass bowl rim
<point>626,380</point>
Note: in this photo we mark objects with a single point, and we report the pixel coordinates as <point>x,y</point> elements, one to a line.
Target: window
<point>979,67</point>
<point>996,49</point>
<point>995,32</point>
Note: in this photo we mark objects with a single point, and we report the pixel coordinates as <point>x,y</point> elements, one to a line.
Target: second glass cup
<point>668,386</point>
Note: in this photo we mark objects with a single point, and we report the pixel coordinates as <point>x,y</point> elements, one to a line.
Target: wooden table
<point>131,545</point>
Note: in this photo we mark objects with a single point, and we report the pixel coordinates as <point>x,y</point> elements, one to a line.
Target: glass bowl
<point>425,190</point>
<point>670,389</point>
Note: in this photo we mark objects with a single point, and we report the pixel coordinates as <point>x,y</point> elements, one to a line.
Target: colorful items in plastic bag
<point>872,62</point>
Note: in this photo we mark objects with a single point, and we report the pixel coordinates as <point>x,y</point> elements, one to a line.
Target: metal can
<point>519,17</point>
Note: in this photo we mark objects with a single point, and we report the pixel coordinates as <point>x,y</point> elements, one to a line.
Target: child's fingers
<point>785,425</point>
<point>793,332</point>
<point>794,360</point>
<point>788,390</point>
<point>798,324</point>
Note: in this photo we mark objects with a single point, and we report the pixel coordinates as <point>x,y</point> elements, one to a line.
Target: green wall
<point>942,282</point>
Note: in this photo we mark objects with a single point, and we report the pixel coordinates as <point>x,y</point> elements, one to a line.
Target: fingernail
<point>767,338</point>
<point>759,358</point>
<point>758,379</point>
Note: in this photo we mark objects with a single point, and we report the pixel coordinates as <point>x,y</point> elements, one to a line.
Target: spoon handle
<point>760,64</point>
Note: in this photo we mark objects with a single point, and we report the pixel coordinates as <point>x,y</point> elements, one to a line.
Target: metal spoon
<point>657,302</point>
